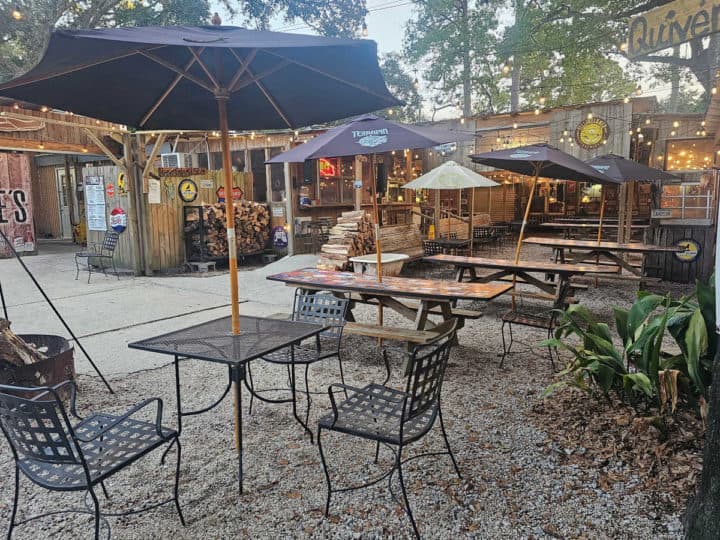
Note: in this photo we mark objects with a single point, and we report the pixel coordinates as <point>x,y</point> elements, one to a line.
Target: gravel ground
<point>513,486</point>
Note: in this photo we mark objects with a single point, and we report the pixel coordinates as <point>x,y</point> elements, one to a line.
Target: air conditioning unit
<point>176,160</point>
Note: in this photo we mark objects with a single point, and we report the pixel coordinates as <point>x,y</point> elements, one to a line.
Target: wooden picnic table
<point>432,296</point>
<point>523,270</point>
<point>639,221</point>
<point>591,249</point>
<point>569,228</point>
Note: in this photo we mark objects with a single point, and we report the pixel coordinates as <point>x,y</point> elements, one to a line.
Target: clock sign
<point>592,133</point>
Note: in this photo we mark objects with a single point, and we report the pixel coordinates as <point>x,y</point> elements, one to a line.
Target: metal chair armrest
<point>73,395</point>
<point>128,414</point>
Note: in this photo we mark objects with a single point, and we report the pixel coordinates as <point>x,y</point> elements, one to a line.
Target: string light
<point>647,121</point>
<point>17,14</point>
<point>589,116</point>
<point>676,124</point>
<point>673,133</point>
<point>626,100</point>
<point>43,109</point>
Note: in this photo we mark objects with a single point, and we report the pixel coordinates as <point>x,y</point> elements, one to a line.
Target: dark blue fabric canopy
<point>169,77</point>
<point>542,159</point>
<point>626,170</point>
<point>367,134</point>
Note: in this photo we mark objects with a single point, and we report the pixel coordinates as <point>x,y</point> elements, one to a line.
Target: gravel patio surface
<point>514,484</point>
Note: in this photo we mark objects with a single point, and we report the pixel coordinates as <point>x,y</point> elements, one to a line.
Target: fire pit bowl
<point>59,365</point>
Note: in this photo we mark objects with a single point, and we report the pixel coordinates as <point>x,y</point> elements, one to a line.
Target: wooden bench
<point>460,313</point>
<point>409,335</point>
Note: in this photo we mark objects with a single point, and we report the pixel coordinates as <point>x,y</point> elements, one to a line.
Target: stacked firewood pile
<point>15,351</point>
<point>353,235</point>
<point>252,229</point>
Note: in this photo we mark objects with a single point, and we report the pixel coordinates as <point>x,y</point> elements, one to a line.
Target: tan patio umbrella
<point>451,175</point>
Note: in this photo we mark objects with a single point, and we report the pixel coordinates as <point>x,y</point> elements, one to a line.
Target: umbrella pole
<point>229,212</point>
<point>437,214</point>
<point>232,243</point>
<point>472,214</point>
<point>522,227</point>
<point>378,245</point>
<point>599,235</point>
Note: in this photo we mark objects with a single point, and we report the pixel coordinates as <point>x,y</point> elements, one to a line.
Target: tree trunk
<point>702,517</point>
<point>467,68</point>
<point>515,85</point>
<point>675,83</point>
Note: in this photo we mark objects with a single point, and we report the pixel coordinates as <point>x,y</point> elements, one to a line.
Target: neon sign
<point>326,167</point>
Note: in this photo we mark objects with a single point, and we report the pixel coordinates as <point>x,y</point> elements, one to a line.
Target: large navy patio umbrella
<point>368,134</point>
<point>624,170</point>
<point>539,160</point>
<point>206,78</point>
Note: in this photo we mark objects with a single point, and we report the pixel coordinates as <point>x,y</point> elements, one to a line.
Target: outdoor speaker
<point>309,171</point>
<point>381,184</point>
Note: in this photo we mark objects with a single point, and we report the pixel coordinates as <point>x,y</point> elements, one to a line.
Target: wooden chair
<point>100,254</point>
<point>62,456</point>
<point>391,417</point>
<point>541,318</point>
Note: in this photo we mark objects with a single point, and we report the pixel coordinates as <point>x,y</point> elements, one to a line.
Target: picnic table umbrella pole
<point>537,166</point>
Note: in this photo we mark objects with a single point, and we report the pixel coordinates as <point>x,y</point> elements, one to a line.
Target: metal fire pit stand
<point>47,299</point>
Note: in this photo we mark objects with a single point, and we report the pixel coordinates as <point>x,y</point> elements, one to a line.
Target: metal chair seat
<point>535,320</point>
<point>129,440</point>
<point>301,354</point>
<point>374,412</point>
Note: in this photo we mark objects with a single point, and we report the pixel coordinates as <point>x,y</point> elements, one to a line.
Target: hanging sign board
<point>16,209</point>
<point>672,24</point>
<point>95,203</point>
<point>118,220</point>
<point>153,191</point>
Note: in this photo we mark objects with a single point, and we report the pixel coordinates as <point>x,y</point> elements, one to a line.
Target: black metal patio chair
<point>538,317</point>
<point>392,417</point>
<point>430,248</point>
<point>99,254</point>
<point>317,308</point>
<point>61,456</point>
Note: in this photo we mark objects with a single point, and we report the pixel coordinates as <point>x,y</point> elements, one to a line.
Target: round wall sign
<point>691,250</point>
<point>187,190</point>
<point>118,219</point>
<point>592,133</point>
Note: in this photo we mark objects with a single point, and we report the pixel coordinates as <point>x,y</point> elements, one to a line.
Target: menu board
<point>95,203</point>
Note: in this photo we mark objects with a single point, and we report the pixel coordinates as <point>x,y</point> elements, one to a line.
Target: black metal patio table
<point>213,341</point>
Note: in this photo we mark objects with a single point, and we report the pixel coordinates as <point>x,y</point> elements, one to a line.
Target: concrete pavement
<point>108,313</point>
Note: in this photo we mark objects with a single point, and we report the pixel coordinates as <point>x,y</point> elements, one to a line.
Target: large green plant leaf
<point>706,300</point>
<point>621,323</point>
<point>634,382</point>
<point>696,344</point>
<point>640,311</point>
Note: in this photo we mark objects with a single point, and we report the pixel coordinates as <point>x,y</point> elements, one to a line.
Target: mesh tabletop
<point>213,340</point>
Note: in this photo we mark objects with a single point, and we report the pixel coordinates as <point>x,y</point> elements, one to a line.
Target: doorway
<point>67,208</point>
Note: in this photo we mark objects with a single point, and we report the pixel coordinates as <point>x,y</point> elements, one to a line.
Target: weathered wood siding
<point>165,220</point>
<point>124,253</point>
<point>668,267</point>
<point>45,197</point>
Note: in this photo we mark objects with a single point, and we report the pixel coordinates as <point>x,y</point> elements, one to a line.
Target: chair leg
<point>96,503</point>
<point>398,465</point>
<point>550,352</point>
<point>307,395</point>
<point>77,268</point>
<point>104,490</point>
<point>505,350</point>
<point>115,269</point>
<point>176,489</point>
<point>249,380</point>
<point>342,375</point>
<point>377,451</point>
<point>16,496</point>
<point>89,266</point>
<point>327,473</point>
<point>447,444</point>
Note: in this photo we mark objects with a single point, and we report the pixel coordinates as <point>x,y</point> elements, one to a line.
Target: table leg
<point>459,274</point>
<point>293,391</point>
<point>421,315</point>
<point>622,263</point>
<point>238,375</point>
<point>177,394</point>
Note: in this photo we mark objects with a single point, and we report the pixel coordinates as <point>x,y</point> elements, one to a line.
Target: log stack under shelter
<point>351,236</point>
<point>209,237</point>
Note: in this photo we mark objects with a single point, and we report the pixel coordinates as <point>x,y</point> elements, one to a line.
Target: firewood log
<point>14,350</point>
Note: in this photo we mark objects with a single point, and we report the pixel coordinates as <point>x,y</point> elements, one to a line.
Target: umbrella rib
<point>247,82</point>
<point>262,88</point>
<point>204,67</point>
<point>331,76</point>
<point>244,65</point>
<point>166,93</point>
<point>179,71</point>
<point>29,80</point>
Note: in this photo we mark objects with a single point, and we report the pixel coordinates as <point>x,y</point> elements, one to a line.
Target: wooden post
<point>229,210</point>
<point>135,209</point>
<point>289,208</point>
<point>378,245</point>
<point>600,224</point>
<point>472,213</point>
<point>69,191</point>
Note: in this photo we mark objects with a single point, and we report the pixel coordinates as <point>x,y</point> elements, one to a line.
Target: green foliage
<point>338,18</point>
<point>633,370</point>
<point>402,86</point>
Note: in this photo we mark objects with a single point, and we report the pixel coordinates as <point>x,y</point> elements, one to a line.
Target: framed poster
<point>95,203</point>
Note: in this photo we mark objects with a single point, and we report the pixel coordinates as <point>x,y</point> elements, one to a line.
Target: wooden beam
<point>10,143</point>
<point>153,154</point>
<point>102,126</point>
<point>106,151</point>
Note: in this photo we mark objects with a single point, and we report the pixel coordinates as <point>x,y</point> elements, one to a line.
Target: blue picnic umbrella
<point>368,134</point>
<point>206,78</point>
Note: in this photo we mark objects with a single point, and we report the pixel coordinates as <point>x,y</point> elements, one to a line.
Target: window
<point>689,200</point>
<point>336,177</point>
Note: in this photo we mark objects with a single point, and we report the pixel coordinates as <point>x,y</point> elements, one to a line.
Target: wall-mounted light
<point>364,30</point>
